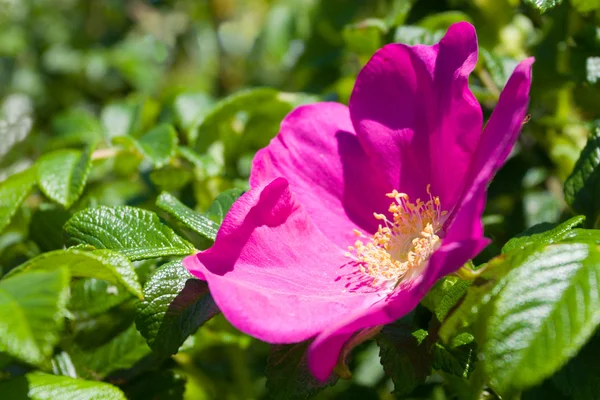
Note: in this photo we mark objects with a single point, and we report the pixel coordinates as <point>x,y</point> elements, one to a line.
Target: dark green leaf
<point>175,305</point>
<point>544,313</point>
<point>100,264</point>
<point>46,226</point>
<point>288,376</point>
<point>579,378</point>
<point>136,233</point>
<point>458,357</point>
<point>12,193</point>
<point>582,188</point>
<point>190,218</point>
<point>405,354</point>
<point>32,309</point>
<point>40,386</point>
<point>445,295</point>
<point>159,385</point>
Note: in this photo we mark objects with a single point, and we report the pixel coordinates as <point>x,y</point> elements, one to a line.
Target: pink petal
<point>272,272</point>
<point>318,153</point>
<point>497,140</point>
<point>414,113</point>
<point>324,351</point>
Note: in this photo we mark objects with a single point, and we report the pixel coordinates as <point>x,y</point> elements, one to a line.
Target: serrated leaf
<point>458,357</point>
<point>135,233</point>
<point>405,354</point>
<point>219,208</point>
<point>175,305</point>
<point>582,188</point>
<point>190,218</point>
<point>100,264</point>
<point>122,352</point>
<point>62,174</point>
<point>40,386</point>
<point>12,193</point>
<point>547,309</point>
<point>32,308</point>
<point>158,144</point>
<point>543,234</point>
<point>288,376</point>
<point>543,5</point>
<point>445,295</point>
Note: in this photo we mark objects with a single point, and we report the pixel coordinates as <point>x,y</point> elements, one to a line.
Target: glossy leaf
<point>135,233</point>
<point>12,193</point>
<point>190,218</point>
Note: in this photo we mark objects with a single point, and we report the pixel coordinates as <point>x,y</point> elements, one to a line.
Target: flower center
<point>404,244</point>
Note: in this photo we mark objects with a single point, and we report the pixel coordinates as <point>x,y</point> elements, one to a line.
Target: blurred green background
<point>79,72</point>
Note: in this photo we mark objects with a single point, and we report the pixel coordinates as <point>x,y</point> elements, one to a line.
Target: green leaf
<point>40,386</point>
<point>12,193</point>
<point>171,178</point>
<point>62,174</point>
<point>582,188</point>
<point>100,264</point>
<point>546,310</point>
<point>190,218</point>
<point>405,354</point>
<point>175,305</point>
<point>94,297</point>
<point>136,233</point>
<point>159,144</point>
<point>46,226</point>
<point>219,208</point>
<point>543,234</point>
<point>579,378</point>
<point>446,293</point>
<point>32,308</point>
<point>122,352</point>
<point>543,5</point>
<point>458,357</point>
<point>288,376</point>
<point>160,385</point>
<point>586,5</point>
<point>365,37</point>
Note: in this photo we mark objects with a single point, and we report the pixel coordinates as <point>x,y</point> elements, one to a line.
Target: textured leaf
<point>405,354</point>
<point>159,144</point>
<point>175,305</point>
<point>32,308</point>
<point>93,296</point>
<point>62,174</point>
<point>40,386</point>
<point>458,357</point>
<point>547,309</point>
<point>445,295</point>
<point>219,208</point>
<point>543,234</point>
<point>122,352</point>
<point>543,5</point>
<point>100,264</point>
<point>136,233</point>
<point>288,376</point>
<point>582,188</point>
<point>190,218</point>
<point>12,193</point>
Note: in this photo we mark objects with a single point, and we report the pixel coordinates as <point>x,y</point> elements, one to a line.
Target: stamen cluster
<point>405,243</point>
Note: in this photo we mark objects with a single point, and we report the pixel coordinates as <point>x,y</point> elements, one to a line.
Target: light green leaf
<point>582,188</point>
<point>190,218</point>
<point>32,309</point>
<point>544,313</point>
<point>40,386</point>
<point>171,178</point>
<point>288,376</point>
<point>175,305</point>
<point>100,264</point>
<point>135,233</point>
<point>62,174</point>
<point>12,193</point>
<point>543,234</point>
<point>158,144</point>
<point>586,5</point>
<point>543,5</point>
<point>445,295</point>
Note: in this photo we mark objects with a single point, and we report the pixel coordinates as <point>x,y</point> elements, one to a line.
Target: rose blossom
<point>355,212</point>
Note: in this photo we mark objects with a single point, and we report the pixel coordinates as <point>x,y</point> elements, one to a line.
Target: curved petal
<point>273,274</point>
<point>413,111</point>
<point>324,351</point>
<point>318,153</point>
<point>495,145</point>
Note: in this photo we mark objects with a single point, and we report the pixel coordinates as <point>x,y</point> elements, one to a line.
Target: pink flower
<point>355,212</point>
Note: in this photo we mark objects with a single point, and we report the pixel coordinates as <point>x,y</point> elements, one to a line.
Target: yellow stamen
<point>405,243</point>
